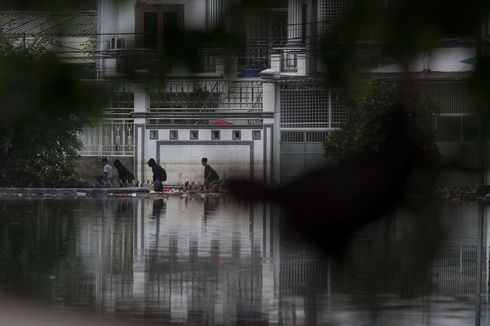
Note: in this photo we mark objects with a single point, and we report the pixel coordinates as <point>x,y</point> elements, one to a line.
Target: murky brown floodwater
<point>218,262</point>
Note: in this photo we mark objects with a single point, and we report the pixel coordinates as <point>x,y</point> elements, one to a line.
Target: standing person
<point>107,177</point>
<point>211,178</point>
<point>159,175</point>
<point>125,176</point>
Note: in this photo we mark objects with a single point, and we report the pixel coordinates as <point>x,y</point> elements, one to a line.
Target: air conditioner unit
<point>117,43</point>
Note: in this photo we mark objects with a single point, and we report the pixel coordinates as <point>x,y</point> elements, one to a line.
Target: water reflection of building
<point>164,260</point>
<point>167,260</point>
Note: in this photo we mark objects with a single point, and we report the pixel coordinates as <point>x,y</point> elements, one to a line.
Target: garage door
<point>301,152</point>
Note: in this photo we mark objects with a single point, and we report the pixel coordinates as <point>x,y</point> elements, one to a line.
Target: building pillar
<point>268,100</point>
<point>272,126</point>
<point>295,23</point>
<point>214,13</point>
<point>141,103</point>
<point>276,155</point>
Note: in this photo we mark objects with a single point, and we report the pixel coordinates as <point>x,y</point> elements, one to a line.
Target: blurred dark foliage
<point>401,31</point>
<point>48,5</point>
<point>43,105</point>
<point>328,205</point>
<point>366,129</point>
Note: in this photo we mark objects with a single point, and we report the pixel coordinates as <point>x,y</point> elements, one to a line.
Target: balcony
<point>205,95</point>
<point>108,138</point>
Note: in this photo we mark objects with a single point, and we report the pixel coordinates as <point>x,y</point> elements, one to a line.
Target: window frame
<point>160,10</point>
<point>197,134</point>
<point>234,137</point>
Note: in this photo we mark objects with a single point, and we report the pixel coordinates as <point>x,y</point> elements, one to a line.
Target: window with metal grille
<point>304,107</point>
<point>339,114</point>
<point>266,28</point>
<point>448,129</point>
<point>310,106</point>
<point>331,13</point>
<point>122,100</point>
<point>256,134</point>
<point>451,97</point>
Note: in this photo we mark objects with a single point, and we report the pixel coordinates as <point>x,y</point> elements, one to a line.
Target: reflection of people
<point>107,177</point>
<point>211,178</point>
<point>158,206</point>
<point>159,175</point>
<point>125,176</point>
<point>210,205</point>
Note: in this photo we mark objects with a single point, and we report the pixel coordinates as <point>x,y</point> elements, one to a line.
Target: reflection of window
<point>159,25</point>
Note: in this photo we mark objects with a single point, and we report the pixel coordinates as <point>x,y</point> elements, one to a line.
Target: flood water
<point>216,261</point>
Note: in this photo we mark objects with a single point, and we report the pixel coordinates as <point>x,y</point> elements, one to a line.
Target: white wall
<point>182,159</point>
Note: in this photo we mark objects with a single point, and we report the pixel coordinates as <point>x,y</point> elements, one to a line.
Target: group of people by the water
<point>126,178</point>
<point>105,180</point>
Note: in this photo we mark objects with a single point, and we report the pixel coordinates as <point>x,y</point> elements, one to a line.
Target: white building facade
<point>262,113</point>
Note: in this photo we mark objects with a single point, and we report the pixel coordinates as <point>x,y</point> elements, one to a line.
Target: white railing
<point>108,138</point>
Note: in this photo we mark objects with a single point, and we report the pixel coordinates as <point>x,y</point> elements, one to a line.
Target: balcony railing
<point>204,93</point>
<point>108,138</point>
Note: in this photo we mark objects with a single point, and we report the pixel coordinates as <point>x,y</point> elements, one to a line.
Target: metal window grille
<point>316,136</point>
<point>331,13</point>
<point>292,136</point>
<point>457,128</point>
<point>210,94</point>
<point>339,114</point>
<point>266,29</point>
<point>452,97</point>
<point>256,134</point>
<point>310,106</point>
<point>448,129</point>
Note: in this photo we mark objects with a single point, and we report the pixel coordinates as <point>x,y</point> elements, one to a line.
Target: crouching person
<point>159,175</point>
<point>125,176</point>
<point>211,178</point>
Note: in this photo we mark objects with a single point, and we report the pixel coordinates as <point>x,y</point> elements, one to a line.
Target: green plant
<point>44,107</point>
<point>366,129</point>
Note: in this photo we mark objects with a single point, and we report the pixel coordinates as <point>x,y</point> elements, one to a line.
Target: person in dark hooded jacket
<point>159,175</point>
<point>125,176</point>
